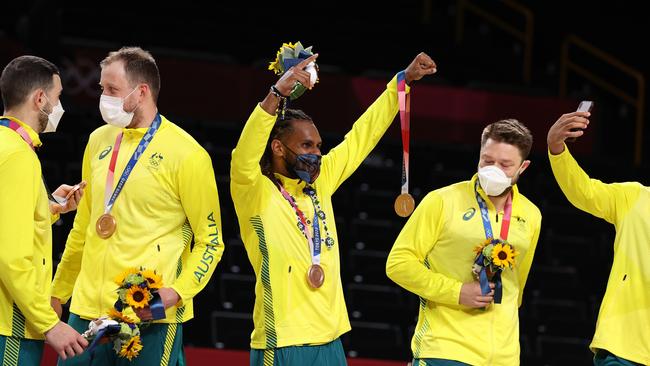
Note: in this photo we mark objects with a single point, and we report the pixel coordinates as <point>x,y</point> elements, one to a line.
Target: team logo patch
<point>106,151</point>
<point>155,159</point>
<point>469,214</point>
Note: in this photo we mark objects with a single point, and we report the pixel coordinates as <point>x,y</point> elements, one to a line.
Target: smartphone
<point>81,185</point>
<point>584,106</point>
<point>63,200</point>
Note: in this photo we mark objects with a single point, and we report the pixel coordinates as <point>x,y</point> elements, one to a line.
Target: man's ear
<point>277,148</point>
<point>524,166</point>
<point>38,99</point>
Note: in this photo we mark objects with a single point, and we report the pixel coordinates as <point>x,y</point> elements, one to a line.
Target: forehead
<point>304,130</point>
<point>500,151</point>
<point>114,73</point>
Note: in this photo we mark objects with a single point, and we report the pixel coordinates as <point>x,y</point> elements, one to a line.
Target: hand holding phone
<point>81,185</point>
<point>584,106</point>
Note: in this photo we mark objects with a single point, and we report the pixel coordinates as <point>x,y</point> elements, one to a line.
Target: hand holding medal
<point>422,65</point>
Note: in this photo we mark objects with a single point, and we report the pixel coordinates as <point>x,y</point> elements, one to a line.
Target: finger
<point>486,299</point>
<point>77,348</point>
<point>575,133</point>
<point>304,80</point>
<point>55,208</point>
<point>65,187</point>
<point>577,124</point>
<point>83,342</point>
<point>430,71</point>
<point>72,191</point>
<point>427,62</point>
<point>306,62</point>
<point>77,196</point>
<point>69,351</point>
<point>577,114</point>
<point>301,73</point>
<point>492,285</point>
<point>573,119</point>
<point>62,354</point>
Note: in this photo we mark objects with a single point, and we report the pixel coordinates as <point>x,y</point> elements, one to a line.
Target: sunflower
<point>503,255</point>
<point>479,248</point>
<point>276,66</point>
<point>119,316</point>
<point>119,279</point>
<point>131,348</point>
<point>154,280</point>
<point>138,297</point>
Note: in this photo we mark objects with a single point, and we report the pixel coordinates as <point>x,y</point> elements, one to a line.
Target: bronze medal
<point>404,205</point>
<point>315,276</point>
<point>106,225</point>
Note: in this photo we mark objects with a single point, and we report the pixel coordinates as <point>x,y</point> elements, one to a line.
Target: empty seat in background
<point>231,330</point>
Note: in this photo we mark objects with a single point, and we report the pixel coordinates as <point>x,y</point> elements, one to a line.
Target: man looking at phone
<point>623,326</point>
<point>30,88</point>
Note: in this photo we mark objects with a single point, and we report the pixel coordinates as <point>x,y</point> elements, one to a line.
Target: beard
<point>42,122</point>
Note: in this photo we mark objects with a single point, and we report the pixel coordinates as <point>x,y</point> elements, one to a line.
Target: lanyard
<point>314,242</point>
<point>144,142</point>
<point>505,224</point>
<point>489,235</point>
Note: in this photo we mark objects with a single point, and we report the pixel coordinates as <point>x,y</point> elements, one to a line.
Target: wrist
<point>556,149</point>
<point>276,92</point>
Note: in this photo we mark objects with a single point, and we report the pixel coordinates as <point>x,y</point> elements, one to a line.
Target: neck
<point>24,116</point>
<point>278,165</point>
<point>144,116</point>
<point>499,201</point>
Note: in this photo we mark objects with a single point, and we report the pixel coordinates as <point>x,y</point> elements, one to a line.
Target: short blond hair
<point>509,131</point>
<point>139,66</point>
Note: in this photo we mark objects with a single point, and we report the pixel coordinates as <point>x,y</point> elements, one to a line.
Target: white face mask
<point>493,180</point>
<point>112,110</point>
<point>53,117</point>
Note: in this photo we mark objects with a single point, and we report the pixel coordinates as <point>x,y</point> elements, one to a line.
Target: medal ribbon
<point>110,176</point>
<point>505,228</point>
<point>405,122</point>
<point>23,133</point>
<point>19,130</point>
<point>314,242</point>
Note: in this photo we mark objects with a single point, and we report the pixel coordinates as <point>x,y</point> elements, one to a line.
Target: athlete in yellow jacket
<point>30,87</point>
<point>433,256</point>
<point>298,323</point>
<point>623,329</point>
<point>169,196</point>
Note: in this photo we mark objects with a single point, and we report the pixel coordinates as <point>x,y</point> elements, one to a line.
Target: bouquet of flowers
<point>492,257</point>
<point>118,328</point>
<point>137,289</point>
<point>289,55</point>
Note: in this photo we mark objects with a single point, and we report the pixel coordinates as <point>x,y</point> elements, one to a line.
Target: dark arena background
<point>529,60</point>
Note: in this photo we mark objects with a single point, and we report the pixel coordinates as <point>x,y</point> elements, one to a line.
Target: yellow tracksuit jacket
<point>287,310</point>
<point>433,256</point>
<point>623,326</point>
<point>170,195</point>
